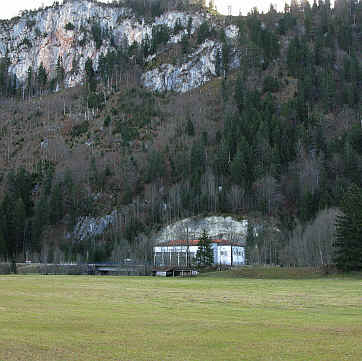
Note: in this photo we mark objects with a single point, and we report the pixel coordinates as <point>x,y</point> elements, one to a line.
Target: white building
<point>183,253</point>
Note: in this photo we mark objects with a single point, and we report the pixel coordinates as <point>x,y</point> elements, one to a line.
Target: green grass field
<point>204,318</point>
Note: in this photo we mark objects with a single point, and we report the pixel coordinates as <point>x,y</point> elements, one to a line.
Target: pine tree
<point>218,62</point>
<point>42,76</point>
<point>221,162</point>
<point>189,26</point>
<point>93,173</point>
<point>3,244</point>
<point>4,67</point>
<point>8,210</point>
<point>238,169</point>
<point>239,93</point>
<point>29,80</point>
<point>185,44</point>
<point>250,242</point>
<point>56,207</point>
<point>293,56</point>
<point>225,58</point>
<point>60,72</point>
<point>20,221</point>
<point>90,76</point>
<point>190,130</point>
<point>348,232</point>
<point>3,253</point>
<point>203,32</point>
<point>48,179</point>
<point>39,222</point>
<point>204,254</point>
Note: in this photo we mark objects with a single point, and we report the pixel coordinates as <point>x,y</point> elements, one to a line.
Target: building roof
<point>195,242</point>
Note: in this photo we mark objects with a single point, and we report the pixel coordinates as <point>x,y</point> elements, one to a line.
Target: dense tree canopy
<point>348,231</point>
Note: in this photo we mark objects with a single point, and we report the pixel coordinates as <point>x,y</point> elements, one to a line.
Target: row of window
<point>236,252</point>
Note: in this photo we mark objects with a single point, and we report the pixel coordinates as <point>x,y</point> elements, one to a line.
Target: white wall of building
<point>222,253</point>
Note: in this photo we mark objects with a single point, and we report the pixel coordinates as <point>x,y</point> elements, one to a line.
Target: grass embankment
<point>204,318</point>
<point>296,273</point>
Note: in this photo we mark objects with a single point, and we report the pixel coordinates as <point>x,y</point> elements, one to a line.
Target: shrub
<point>178,26</point>
<point>30,23</point>
<point>270,84</point>
<point>97,35</point>
<point>203,32</point>
<point>69,26</point>
<point>26,42</point>
<point>107,121</point>
<point>80,129</point>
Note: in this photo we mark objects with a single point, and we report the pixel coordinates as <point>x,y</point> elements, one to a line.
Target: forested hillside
<point>268,128</point>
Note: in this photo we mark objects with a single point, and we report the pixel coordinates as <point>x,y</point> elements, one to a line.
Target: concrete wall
<point>41,268</point>
<point>5,268</point>
<point>67,269</point>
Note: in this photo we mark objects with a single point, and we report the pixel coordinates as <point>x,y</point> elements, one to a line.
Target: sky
<point>246,5</point>
<point>12,8</point>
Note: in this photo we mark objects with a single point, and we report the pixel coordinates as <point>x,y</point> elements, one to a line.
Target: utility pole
<point>230,8</point>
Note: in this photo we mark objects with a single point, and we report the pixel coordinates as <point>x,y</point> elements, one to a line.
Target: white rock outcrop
<point>192,74</point>
<point>90,227</point>
<point>199,69</point>
<point>216,227</point>
<point>41,37</point>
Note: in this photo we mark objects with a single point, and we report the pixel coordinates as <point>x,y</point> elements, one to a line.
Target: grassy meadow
<point>212,317</point>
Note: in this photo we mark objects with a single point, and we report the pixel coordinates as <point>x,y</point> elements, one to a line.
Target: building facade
<point>183,253</point>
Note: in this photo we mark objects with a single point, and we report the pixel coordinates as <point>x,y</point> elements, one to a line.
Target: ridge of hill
<point>256,117</point>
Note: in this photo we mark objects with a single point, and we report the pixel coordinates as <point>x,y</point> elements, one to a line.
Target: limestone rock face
<point>90,227</point>
<point>199,68</point>
<point>216,227</point>
<point>41,37</point>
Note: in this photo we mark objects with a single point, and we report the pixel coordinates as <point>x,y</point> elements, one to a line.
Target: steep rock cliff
<point>66,31</point>
<point>42,36</point>
<point>199,68</point>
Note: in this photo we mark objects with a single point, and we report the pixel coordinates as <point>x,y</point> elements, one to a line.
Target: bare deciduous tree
<point>312,245</point>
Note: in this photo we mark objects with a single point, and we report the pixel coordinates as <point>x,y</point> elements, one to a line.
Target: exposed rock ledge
<point>199,69</point>
<point>216,226</point>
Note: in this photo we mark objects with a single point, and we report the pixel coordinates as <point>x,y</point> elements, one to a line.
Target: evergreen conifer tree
<point>29,80</point>
<point>218,62</point>
<point>250,242</point>
<point>56,207</point>
<point>39,222</point>
<point>189,26</point>
<point>190,130</point>
<point>90,76</point>
<point>239,93</point>
<point>205,254</point>
<point>60,71</point>
<point>42,76</point>
<point>3,245</point>
<point>20,221</point>
<point>348,231</point>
